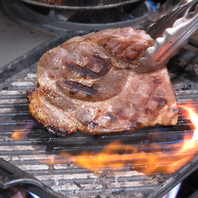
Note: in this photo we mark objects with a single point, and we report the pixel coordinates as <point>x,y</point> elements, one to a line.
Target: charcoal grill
<point>21,160</point>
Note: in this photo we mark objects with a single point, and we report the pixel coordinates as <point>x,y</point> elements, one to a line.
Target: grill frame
<point>16,71</point>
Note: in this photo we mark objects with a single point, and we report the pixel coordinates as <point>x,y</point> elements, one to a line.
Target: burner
<point>55,21</point>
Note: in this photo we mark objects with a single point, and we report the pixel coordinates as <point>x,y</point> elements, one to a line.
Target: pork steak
<point>89,83</point>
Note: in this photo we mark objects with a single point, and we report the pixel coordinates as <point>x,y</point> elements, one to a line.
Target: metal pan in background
<point>80,4</point>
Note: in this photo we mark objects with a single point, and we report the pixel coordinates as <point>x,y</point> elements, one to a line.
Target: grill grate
<point>67,179</point>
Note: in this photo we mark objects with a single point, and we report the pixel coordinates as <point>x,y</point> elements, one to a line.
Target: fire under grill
<point>24,161</point>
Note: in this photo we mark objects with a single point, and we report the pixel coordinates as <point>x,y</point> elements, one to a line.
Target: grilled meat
<point>89,83</point>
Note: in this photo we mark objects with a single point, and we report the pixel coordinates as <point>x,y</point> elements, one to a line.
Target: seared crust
<point>89,83</point>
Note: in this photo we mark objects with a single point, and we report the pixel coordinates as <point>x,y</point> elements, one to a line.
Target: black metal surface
<point>66,178</point>
<point>189,186</point>
<point>10,176</point>
<point>58,21</point>
<point>80,4</point>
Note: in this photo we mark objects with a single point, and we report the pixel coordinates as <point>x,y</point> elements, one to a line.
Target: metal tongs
<point>172,39</point>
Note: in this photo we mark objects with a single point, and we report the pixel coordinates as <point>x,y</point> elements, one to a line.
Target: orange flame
<point>117,155</point>
<point>191,113</point>
<point>22,133</point>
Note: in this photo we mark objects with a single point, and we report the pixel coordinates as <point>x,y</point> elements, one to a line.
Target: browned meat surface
<point>89,83</point>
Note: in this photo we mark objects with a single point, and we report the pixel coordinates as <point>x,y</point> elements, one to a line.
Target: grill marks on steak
<point>103,88</point>
<point>89,83</point>
<point>76,88</point>
<point>95,68</point>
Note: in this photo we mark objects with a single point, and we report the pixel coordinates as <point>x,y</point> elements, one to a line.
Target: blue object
<point>152,4</point>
